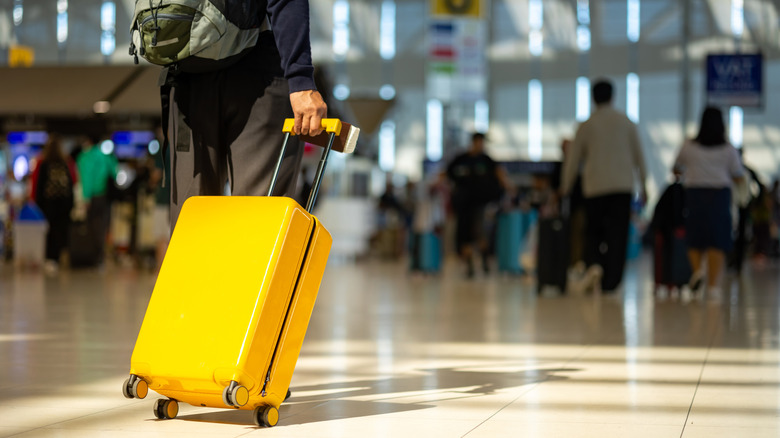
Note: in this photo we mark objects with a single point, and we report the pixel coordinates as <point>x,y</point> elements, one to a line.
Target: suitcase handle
<point>331,126</point>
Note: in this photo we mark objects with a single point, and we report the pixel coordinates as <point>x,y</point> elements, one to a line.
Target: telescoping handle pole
<point>332,127</point>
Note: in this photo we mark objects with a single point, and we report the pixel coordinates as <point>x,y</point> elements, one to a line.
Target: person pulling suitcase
<point>227,88</point>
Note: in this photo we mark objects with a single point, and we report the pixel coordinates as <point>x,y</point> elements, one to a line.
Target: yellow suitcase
<point>229,311</point>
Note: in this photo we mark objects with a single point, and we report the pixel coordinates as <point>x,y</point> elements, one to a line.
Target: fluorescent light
<point>435,123</point>
<point>736,123</point>
<point>583,38</point>
<point>583,99</point>
<point>632,97</point>
<point>481,116</point>
<point>387,146</point>
<point>341,92</point>
<point>108,16</point>
<point>535,100</point>
<point>633,20</point>
<point>583,11</point>
<point>62,27</point>
<point>387,30</point>
<point>535,14</point>
<point>340,29</point>
<point>154,147</point>
<point>387,92</point>
<point>18,12</point>
<point>107,147</point>
<point>535,22</point>
<point>737,17</point>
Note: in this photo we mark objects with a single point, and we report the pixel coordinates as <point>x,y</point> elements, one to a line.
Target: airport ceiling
<point>58,91</point>
<point>73,91</point>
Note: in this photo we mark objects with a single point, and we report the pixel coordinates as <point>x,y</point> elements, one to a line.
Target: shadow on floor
<point>329,400</point>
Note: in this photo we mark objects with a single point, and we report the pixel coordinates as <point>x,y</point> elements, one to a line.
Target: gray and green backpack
<point>198,35</point>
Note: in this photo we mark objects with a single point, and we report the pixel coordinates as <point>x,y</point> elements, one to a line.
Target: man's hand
<point>309,109</point>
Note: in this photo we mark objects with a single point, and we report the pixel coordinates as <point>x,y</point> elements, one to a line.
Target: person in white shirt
<point>608,149</point>
<point>709,165</point>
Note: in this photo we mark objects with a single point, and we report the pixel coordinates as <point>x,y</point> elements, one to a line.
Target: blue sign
<point>735,80</point>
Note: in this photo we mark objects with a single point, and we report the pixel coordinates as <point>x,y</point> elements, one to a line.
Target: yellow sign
<point>466,8</point>
<point>21,56</point>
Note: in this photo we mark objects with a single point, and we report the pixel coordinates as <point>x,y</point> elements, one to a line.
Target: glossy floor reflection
<point>389,354</point>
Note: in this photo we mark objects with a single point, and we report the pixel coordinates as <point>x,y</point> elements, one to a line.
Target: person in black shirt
<point>477,181</point>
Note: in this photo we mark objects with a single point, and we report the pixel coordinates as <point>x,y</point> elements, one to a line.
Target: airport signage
<point>735,80</point>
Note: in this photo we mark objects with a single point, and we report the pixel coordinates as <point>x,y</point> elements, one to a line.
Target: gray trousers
<point>226,126</point>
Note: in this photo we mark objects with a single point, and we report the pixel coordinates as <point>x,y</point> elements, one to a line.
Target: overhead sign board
<point>463,8</point>
<point>735,80</point>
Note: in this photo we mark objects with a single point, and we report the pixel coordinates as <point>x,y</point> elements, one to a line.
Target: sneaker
<point>50,267</point>
<point>592,278</point>
<point>696,280</point>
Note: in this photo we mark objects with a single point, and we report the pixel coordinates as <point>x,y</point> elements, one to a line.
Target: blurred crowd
<point>80,205</point>
<point>571,224</point>
<point>575,223</point>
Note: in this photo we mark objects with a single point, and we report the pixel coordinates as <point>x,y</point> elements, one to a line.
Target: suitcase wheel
<point>266,416</point>
<point>235,395</point>
<point>135,387</point>
<point>166,409</point>
<point>289,394</point>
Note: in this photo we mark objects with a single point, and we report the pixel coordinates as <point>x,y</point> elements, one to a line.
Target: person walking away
<point>608,149</point>
<point>52,189</point>
<point>477,181</point>
<point>746,195</point>
<point>709,165</point>
<point>226,123</point>
<point>97,170</point>
<point>162,206</point>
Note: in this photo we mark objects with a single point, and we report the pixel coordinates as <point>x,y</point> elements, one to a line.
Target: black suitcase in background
<point>84,245</point>
<point>552,254</point>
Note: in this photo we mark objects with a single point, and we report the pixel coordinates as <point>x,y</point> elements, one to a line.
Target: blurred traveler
<point>477,181</point>
<point>775,230</point>
<point>747,192</point>
<point>52,189</point>
<point>161,216</point>
<point>608,149</point>
<point>228,122</point>
<point>709,165</point>
<point>96,170</point>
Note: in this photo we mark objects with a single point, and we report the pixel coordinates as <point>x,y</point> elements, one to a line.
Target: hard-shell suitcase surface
<point>671,266</point>
<point>511,234</point>
<point>426,252</point>
<point>228,314</point>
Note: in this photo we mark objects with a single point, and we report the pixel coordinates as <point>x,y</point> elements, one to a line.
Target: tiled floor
<point>389,354</point>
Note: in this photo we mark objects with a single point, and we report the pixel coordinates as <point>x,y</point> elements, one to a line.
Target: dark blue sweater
<point>290,24</point>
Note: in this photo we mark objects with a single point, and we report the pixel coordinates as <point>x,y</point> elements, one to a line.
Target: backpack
<point>198,35</point>
<point>56,183</point>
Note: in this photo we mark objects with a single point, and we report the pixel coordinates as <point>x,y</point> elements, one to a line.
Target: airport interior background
<point>402,341</point>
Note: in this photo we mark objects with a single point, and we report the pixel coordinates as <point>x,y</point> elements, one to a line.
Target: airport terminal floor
<point>390,354</point>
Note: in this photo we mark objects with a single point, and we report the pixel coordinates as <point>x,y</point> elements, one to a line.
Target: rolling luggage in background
<point>84,245</point>
<point>227,318</point>
<point>670,251</point>
<point>426,253</point>
<point>512,230</point>
<point>29,231</point>
<point>671,266</point>
<point>553,253</point>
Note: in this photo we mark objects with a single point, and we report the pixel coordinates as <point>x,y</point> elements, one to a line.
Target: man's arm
<point>290,23</point>
<point>571,162</point>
